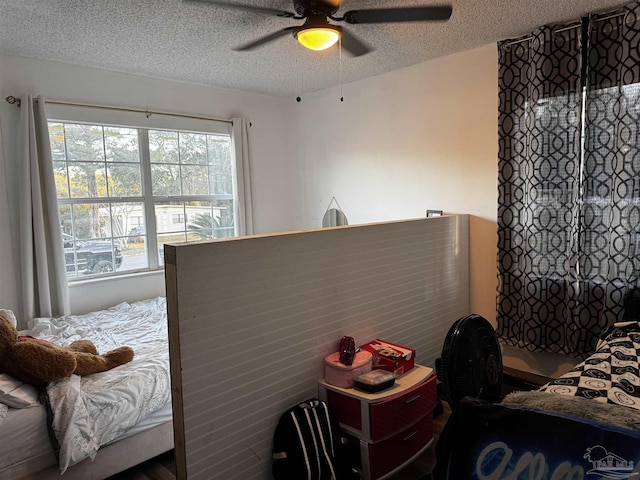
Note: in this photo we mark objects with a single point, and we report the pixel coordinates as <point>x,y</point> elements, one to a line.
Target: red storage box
<point>390,356</point>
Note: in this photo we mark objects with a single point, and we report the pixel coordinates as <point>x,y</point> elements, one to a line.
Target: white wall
<point>58,81</point>
<point>424,137</point>
<point>296,294</point>
<point>9,279</point>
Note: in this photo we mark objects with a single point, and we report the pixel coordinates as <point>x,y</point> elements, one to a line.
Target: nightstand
<point>390,428</point>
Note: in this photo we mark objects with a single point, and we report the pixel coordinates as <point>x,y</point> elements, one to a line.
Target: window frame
<point>143,123</point>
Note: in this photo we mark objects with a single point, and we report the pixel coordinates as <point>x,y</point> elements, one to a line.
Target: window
<point>569,196</point>
<point>124,192</point>
<point>178,218</point>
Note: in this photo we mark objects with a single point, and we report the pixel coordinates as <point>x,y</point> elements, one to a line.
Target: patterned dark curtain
<point>569,181</point>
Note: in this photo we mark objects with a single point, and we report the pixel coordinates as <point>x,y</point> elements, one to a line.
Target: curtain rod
<point>568,27</point>
<point>14,100</point>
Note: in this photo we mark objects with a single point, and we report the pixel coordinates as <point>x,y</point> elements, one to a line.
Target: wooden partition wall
<point>251,320</point>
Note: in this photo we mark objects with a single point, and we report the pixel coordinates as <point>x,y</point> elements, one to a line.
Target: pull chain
<point>298,98</point>
<point>340,62</point>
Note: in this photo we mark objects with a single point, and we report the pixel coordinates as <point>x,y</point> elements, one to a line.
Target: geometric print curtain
<point>568,181</point>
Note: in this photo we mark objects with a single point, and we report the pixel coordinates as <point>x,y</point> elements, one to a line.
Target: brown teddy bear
<point>38,362</point>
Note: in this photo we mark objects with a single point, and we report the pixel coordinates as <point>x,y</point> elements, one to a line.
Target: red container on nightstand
<point>390,356</point>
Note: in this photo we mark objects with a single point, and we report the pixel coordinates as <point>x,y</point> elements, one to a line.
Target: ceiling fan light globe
<point>318,38</point>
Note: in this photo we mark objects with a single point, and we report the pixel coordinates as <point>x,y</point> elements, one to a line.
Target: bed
<point>95,426</point>
<point>582,425</point>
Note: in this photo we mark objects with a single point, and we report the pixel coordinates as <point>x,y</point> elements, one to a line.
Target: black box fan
<point>471,361</point>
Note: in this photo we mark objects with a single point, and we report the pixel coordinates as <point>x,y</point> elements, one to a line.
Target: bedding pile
<point>608,413</point>
<point>611,374</point>
<point>89,412</point>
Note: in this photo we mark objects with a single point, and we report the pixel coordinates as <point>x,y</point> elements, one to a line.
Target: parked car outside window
<point>90,256</point>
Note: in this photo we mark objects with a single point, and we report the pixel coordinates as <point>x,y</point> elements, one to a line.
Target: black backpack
<point>307,445</point>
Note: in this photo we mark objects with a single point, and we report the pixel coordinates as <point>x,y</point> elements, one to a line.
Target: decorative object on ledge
<point>434,213</point>
<point>334,217</point>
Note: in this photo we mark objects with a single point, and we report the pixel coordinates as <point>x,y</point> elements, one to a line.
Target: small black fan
<point>471,361</point>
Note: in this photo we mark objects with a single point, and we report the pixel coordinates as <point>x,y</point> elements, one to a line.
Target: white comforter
<point>91,411</point>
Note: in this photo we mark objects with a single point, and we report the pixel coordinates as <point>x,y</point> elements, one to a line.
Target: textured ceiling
<point>194,42</point>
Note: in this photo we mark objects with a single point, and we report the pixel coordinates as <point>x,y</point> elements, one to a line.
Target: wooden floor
<point>164,468</point>
<point>158,468</point>
<point>422,467</point>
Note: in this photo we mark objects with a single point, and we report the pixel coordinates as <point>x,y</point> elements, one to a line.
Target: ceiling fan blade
<point>353,44</point>
<point>402,14</point>
<point>264,40</point>
<point>245,8</point>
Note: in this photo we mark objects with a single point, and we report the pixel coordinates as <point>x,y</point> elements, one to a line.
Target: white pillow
<point>17,394</point>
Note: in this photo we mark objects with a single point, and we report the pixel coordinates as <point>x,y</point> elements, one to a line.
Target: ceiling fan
<point>317,33</point>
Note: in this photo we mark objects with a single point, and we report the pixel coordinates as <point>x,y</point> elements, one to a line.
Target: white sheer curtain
<point>44,284</point>
<point>244,207</point>
<point>9,296</point>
